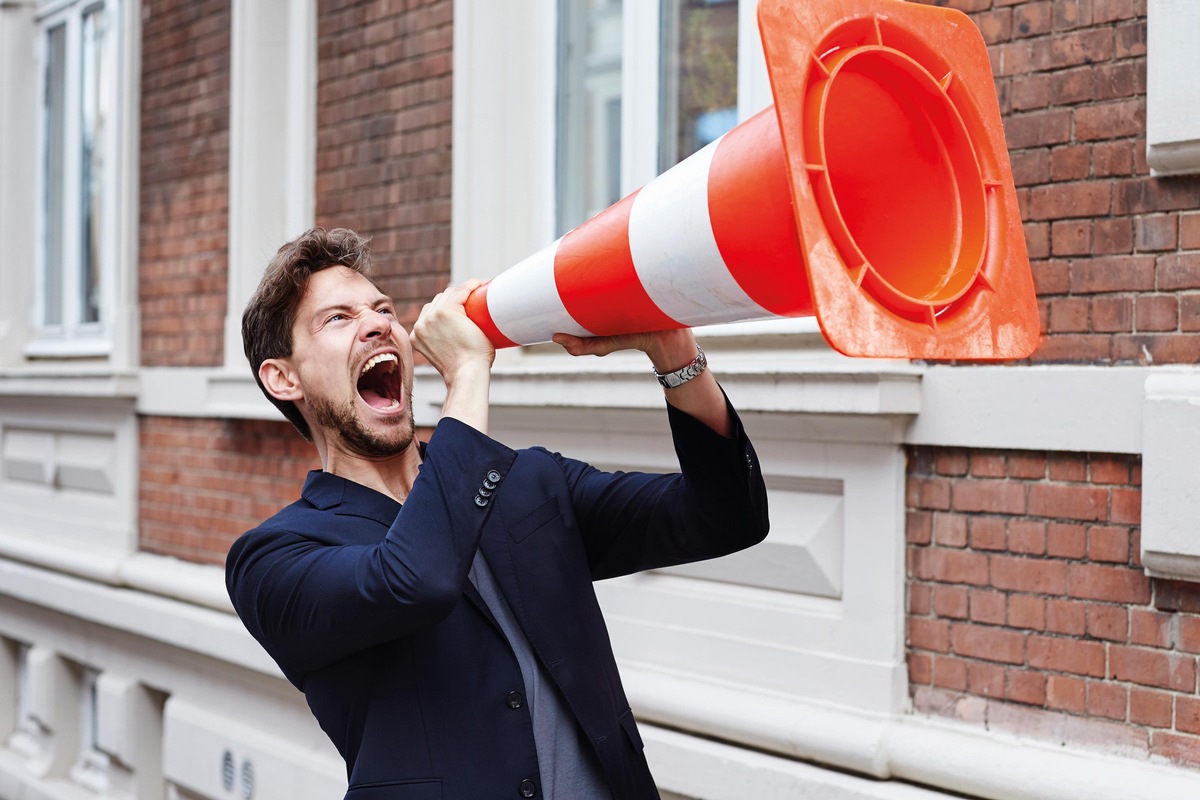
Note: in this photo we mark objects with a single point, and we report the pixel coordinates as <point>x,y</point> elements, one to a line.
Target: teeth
<point>379,359</point>
<point>395,404</point>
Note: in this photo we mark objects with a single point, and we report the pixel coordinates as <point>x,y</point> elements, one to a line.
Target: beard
<point>342,420</point>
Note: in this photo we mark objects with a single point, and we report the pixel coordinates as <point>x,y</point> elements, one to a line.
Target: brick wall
<point>383,137</point>
<point>183,238</point>
<point>204,482</point>
<point>1116,253</point>
<point>1028,609</point>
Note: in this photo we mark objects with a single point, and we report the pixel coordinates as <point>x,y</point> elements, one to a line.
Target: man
<point>434,602</point>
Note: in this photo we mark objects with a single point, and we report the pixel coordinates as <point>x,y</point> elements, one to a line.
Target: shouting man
<point>434,601</point>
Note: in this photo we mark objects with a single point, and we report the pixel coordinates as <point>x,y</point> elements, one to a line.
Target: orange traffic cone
<point>875,193</point>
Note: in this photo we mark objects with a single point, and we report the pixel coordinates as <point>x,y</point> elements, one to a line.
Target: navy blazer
<point>366,606</point>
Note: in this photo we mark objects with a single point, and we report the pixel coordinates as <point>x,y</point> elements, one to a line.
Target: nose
<point>375,325</point>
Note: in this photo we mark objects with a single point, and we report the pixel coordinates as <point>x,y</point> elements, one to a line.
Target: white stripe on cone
<point>524,303</point>
<point>675,251</point>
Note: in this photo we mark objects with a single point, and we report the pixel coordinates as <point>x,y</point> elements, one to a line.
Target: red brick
<point>1067,467</point>
<point>1112,159</point>
<point>1037,245</point>
<point>950,601</point>
<point>1108,469</point>
<point>987,465</point>
<point>1114,120</point>
<point>1126,506</point>
<point>929,634</point>
<point>951,566</point>
<point>1029,575</point>
<point>1026,465</point>
<point>1072,199</point>
<point>1187,714</point>
<point>1030,167</point>
<point>1027,612</point>
<point>1027,537</point>
<point>1189,230</point>
<point>1189,633</point>
<point>920,599</point>
<point>1156,313</point>
<point>1113,274</point>
<point>951,461</point>
<point>1064,540</point>
<point>1112,237</point>
<point>984,679</point>
<point>1112,314</point>
<point>1031,91</point>
<point>920,668</point>
<point>1109,584</point>
<point>918,527</point>
<point>1104,11</point>
<point>987,533</point>
<point>950,673</point>
<point>1059,501</point>
<point>1108,544</point>
<point>928,493</point>
<point>1148,707</point>
<point>1032,19</point>
<point>1070,162</point>
<point>1177,596</point>
<point>994,496</point>
<point>1107,700</point>
<point>1069,314</point>
<point>1158,232</point>
<point>1151,628</point>
<point>1071,49</point>
<point>1152,668</point>
<point>1179,271</point>
<point>987,643</point>
<point>1066,655</point>
<point>1051,276</point>
<point>1130,39</point>
<point>1108,622</point>
<point>950,530</point>
<point>1066,693</point>
<point>1026,687</point>
<point>1189,312</point>
<point>1038,129</point>
<point>988,607</point>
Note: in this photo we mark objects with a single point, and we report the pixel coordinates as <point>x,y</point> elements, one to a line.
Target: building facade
<point>982,580</point>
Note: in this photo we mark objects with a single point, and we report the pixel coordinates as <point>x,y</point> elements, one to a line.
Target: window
<point>78,174</point>
<point>641,86</point>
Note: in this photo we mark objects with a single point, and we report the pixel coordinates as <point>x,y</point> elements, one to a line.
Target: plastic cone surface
<point>876,194</point>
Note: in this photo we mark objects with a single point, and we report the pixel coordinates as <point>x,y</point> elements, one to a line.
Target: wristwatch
<point>684,374</point>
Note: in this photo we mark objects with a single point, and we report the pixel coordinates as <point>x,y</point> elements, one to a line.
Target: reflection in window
<point>79,90</point>
<point>699,75</point>
<point>53,168</point>
<point>95,114</point>
<point>589,109</point>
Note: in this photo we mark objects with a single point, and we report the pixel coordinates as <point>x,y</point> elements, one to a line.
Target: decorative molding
<point>1170,493</point>
<point>955,756</point>
<point>1172,114</point>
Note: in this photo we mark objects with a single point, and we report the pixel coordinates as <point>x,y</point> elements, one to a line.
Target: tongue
<point>375,400</point>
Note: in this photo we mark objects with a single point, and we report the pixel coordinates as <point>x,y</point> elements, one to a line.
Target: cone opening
<point>905,192</point>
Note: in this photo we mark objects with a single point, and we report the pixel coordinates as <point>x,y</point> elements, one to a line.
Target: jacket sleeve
<point>715,505</point>
<point>311,604</point>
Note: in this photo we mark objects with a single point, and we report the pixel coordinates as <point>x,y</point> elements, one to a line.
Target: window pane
<point>55,144</point>
<point>94,116</point>
<point>699,75</point>
<point>589,109</point>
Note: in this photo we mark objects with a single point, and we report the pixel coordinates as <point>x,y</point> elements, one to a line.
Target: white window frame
<point>73,336</point>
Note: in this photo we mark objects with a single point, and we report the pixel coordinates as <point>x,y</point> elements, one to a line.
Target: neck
<point>392,476</point>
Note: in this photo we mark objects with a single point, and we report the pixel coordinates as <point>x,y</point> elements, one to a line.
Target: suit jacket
<point>367,609</point>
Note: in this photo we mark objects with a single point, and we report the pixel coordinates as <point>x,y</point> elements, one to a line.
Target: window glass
<point>589,109</point>
<point>699,75</point>
<point>95,114</point>
<point>55,151</point>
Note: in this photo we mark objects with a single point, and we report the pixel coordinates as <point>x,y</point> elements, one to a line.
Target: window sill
<point>69,348</point>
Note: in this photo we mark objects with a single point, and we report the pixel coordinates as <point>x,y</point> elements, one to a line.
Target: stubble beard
<point>344,421</point>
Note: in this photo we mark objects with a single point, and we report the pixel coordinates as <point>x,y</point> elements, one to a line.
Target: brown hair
<point>269,316</point>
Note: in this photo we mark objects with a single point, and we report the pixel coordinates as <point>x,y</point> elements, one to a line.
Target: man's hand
<point>459,351</point>
<point>668,351</point>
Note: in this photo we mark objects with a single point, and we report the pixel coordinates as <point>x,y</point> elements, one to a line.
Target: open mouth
<point>379,384</point>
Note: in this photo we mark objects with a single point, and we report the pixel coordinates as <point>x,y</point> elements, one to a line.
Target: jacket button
<point>481,501</point>
<point>515,700</point>
<point>493,476</point>
<point>528,788</point>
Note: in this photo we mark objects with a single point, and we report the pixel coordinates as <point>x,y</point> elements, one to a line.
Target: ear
<point>280,379</point>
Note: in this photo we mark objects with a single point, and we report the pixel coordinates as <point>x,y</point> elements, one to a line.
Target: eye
<point>388,311</point>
